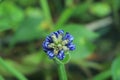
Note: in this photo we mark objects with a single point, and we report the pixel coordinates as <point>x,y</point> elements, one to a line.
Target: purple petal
<point>50,54</point>
<point>49,39</point>
<point>45,46</point>
<point>61,55</point>
<point>71,46</point>
<point>60,31</point>
<point>68,37</point>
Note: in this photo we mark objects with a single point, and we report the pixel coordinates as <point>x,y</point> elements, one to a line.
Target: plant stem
<point>66,14</point>
<point>62,72</point>
<point>12,70</point>
<point>61,69</point>
<point>46,10</point>
<point>115,6</point>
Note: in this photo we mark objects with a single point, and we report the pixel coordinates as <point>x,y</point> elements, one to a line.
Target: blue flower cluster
<point>57,44</point>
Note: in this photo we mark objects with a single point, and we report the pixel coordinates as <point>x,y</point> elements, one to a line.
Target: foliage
<point>24,24</point>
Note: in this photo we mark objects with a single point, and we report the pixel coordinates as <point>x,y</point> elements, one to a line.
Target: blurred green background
<point>95,25</point>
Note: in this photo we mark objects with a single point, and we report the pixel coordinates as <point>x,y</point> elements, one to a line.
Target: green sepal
<point>64,61</point>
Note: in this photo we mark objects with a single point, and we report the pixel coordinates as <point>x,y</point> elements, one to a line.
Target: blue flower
<point>61,55</point>
<point>68,37</point>
<point>57,44</point>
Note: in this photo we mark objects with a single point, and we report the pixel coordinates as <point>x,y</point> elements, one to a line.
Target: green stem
<point>66,14</point>
<point>116,13</point>
<point>12,70</point>
<point>62,72</point>
<point>46,10</point>
<point>1,78</point>
<point>61,69</point>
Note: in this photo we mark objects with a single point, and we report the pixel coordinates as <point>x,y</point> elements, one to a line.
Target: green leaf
<point>30,28</point>
<point>116,69</point>
<point>34,13</point>
<point>1,78</point>
<point>83,40</point>
<point>12,70</point>
<point>81,11</point>
<point>100,9</point>
<point>69,3</point>
<point>27,31</point>
<point>115,4</point>
<point>10,16</point>
<point>66,14</point>
<point>28,64</point>
<point>103,75</point>
<point>26,2</point>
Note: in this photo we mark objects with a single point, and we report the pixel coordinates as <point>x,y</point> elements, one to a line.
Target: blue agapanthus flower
<point>57,44</point>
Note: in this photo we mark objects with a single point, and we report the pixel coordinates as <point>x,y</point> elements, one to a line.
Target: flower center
<point>58,44</point>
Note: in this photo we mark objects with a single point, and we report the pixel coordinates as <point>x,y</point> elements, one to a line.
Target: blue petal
<point>57,33</point>
<point>68,37</point>
<point>50,54</point>
<point>71,46</point>
<point>54,33</point>
<point>49,39</point>
<point>61,55</point>
<point>60,31</point>
<point>45,46</point>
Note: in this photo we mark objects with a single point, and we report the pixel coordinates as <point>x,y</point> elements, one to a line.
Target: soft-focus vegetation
<point>95,25</point>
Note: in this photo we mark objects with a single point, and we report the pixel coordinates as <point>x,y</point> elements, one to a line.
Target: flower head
<point>57,44</point>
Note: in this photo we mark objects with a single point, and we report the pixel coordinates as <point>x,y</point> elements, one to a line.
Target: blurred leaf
<point>116,69</point>
<point>33,59</point>
<point>66,14</point>
<point>116,4</point>
<point>12,70</point>
<point>116,17</point>
<point>24,69</point>
<point>30,28</point>
<point>100,9</point>
<point>4,72</point>
<point>103,75</point>
<point>46,10</point>
<point>1,78</point>
<point>34,12</point>
<point>26,2</point>
<point>10,16</point>
<point>81,11</point>
<point>83,40</point>
<point>27,31</point>
<point>69,3</point>
<point>89,64</point>
<point>28,64</point>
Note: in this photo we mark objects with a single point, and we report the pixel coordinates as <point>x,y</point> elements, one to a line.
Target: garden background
<point>95,25</point>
